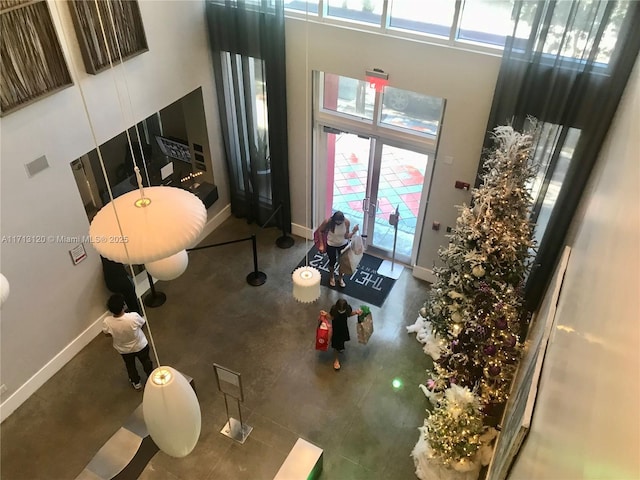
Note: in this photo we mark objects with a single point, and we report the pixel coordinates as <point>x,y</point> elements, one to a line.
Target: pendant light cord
<point>133,158</point>
<point>95,140</point>
<point>307,143</point>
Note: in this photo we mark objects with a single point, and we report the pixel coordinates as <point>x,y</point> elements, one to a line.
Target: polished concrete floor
<point>366,427</point>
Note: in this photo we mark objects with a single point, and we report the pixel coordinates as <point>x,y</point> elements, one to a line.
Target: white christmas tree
<point>475,313</point>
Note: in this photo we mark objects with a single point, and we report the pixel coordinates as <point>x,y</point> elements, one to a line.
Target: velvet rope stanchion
<point>255,278</point>
<point>154,299</point>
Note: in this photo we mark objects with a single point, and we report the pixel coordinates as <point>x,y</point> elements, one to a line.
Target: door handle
<point>365,205</point>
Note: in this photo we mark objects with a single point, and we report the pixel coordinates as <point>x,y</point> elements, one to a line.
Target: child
<point>338,315</point>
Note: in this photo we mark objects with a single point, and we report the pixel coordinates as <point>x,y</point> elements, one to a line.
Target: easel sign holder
<point>230,384</point>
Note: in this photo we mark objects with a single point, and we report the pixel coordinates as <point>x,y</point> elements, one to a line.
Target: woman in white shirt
<point>338,235</point>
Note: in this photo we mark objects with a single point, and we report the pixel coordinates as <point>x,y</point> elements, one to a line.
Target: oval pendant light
<point>171,412</point>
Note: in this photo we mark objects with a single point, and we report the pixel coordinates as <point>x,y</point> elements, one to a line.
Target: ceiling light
<point>156,223</point>
<point>170,267</point>
<point>171,412</point>
<point>4,289</point>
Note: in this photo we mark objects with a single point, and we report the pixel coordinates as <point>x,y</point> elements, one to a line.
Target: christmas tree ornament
<point>490,350</point>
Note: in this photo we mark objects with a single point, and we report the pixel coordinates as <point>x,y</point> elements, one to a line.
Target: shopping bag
<point>354,258</point>
<point>357,245</point>
<point>320,240</point>
<point>323,333</point>
<point>345,267</point>
<point>364,327</point>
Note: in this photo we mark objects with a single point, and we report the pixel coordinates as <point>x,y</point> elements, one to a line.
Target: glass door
<point>399,182</point>
<point>370,181</point>
<point>373,151</point>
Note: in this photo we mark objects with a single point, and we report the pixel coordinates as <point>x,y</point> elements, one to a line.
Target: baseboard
<point>424,274</point>
<point>27,389</point>
<point>215,222</point>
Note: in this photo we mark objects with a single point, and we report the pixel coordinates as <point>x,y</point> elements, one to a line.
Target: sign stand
<point>389,268</point>
<point>230,384</point>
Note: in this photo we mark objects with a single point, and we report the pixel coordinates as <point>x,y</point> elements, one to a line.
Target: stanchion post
<point>256,278</point>
<point>285,241</point>
<point>154,299</point>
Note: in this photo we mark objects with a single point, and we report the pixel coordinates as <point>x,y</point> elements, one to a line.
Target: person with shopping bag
<point>338,314</point>
<point>338,230</point>
<point>323,332</point>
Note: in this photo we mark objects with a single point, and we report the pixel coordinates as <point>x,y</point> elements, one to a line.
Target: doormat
<point>364,284</point>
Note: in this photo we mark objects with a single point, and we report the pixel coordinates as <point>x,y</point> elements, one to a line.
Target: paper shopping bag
<point>345,267</point>
<point>364,327</point>
<point>323,334</point>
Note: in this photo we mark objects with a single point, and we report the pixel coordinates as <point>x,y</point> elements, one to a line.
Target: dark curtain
<point>248,46</point>
<point>569,72</point>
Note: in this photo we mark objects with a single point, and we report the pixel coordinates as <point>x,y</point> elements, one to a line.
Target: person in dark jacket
<point>118,281</point>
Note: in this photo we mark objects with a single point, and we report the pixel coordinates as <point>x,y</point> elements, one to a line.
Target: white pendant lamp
<point>156,223</point>
<point>171,412</point>
<point>170,267</point>
<point>306,284</point>
<point>4,289</point>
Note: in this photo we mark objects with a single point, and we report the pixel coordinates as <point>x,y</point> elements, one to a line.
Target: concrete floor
<point>366,428</point>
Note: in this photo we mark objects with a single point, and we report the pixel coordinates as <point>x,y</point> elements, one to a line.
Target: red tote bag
<point>323,334</point>
<point>320,240</point>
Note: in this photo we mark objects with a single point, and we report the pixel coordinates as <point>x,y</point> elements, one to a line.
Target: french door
<point>380,185</point>
<point>373,154</point>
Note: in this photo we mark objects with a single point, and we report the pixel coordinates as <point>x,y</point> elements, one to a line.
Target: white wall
<point>53,302</point>
<point>586,423</point>
<point>465,79</point>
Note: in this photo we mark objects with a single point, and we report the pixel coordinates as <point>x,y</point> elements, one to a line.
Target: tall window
<point>244,81</point>
<point>247,42</point>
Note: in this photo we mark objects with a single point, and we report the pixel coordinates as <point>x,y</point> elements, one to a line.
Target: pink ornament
<point>501,323</point>
<point>489,350</point>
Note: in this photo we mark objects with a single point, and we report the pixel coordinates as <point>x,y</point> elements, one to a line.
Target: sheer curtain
<point>566,64</point>
<point>247,41</point>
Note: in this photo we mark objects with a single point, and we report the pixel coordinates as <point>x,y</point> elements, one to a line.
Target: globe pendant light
<point>4,289</point>
<point>171,412</point>
<point>170,267</point>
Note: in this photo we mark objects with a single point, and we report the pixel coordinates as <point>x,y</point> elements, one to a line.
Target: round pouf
<point>306,284</point>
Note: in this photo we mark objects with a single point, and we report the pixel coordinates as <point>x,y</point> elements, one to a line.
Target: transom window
<point>394,109</point>
<point>483,24</point>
